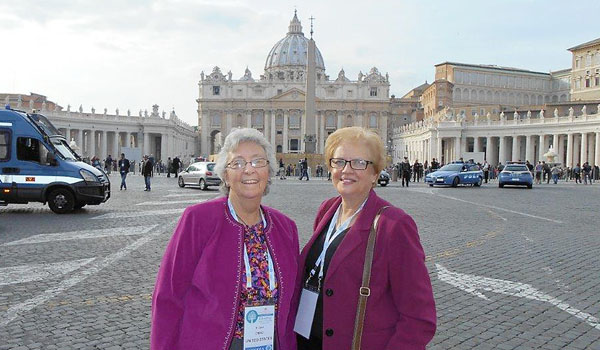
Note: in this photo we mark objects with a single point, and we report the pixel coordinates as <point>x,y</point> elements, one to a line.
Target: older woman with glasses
<point>400,309</point>
<point>226,280</point>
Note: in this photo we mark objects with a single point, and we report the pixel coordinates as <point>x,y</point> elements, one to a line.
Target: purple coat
<point>195,300</point>
<point>401,309</point>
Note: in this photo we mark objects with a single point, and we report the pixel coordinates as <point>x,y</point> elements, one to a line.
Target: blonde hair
<point>357,134</point>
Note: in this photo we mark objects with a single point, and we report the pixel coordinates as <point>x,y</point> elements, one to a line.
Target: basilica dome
<point>291,51</point>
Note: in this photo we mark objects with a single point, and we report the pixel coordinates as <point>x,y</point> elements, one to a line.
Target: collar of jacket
<point>358,233</point>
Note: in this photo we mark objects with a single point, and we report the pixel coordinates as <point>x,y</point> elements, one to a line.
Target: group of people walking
<point>231,275</point>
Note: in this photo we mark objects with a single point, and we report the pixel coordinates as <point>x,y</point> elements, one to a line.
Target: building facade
<point>101,134</point>
<point>508,114</point>
<point>274,103</point>
<point>585,73</point>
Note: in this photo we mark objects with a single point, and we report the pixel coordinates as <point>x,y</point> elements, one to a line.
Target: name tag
<point>259,327</point>
<point>306,312</point>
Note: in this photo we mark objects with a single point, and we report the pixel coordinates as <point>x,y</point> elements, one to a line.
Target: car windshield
<point>210,166</point>
<point>452,167</point>
<point>516,168</point>
<point>63,148</point>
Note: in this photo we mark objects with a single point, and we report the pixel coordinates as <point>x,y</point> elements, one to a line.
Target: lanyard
<point>332,234</point>
<point>272,278</point>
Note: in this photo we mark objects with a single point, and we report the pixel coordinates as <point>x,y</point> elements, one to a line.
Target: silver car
<point>199,174</point>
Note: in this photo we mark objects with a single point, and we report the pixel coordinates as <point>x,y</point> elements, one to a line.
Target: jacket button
<point>329,292</point>
<point>329,332</point>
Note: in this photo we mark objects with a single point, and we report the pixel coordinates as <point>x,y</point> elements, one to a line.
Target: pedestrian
<point>229,259</point>
<point>486,171</point>
<point>147,172</point>
<point>555,171</point>
<point>176,166</point>
<point>169,166</point>
<point>415,169</point>
<point>108,164</point>
<point>400,312</point>
<point>123,169</point>
<point>577,173</point>
<point>405,170</point>
<point>304,169</point>
<point>281,169</point>
<point>546,172</point>
<point>538,172</point>
<point>586,172</point>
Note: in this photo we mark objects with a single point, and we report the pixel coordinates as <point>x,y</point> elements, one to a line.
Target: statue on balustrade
<point>571,112</point>
<point>541,114</point>
<point>584,110</point>
<point>502,116</point>
<point>555,112</point>
<point>528,114</point>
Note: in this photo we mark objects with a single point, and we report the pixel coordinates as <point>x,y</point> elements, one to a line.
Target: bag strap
<point>364,290</point>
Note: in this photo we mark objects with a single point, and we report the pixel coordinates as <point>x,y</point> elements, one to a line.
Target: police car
<point>455,174</point>
<point>37,165</point>
<point>515,174</point>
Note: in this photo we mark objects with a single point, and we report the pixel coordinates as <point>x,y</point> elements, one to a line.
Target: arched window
<point>279,149</point>
<point>215,121</point>
<point>294,122</point>
<point>373,121</point>
<point>349,120</point>
<point>257,119</point>
<point>279,120</point>
<point>240,121</point>
<point>489,96</point>
<point>330,120</point>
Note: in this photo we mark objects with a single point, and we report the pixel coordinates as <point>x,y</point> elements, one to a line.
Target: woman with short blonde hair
<point>400,309</point>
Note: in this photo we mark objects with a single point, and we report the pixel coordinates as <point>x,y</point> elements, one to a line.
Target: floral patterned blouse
<point>260,294</point>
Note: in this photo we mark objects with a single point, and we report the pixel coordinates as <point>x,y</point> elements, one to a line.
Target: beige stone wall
<point>585,73</point>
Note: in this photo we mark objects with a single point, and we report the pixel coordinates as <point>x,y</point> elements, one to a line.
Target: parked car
<point>455,174</point>
<point>515,174</point>
<point>384,178</point>
<point>199,174</point>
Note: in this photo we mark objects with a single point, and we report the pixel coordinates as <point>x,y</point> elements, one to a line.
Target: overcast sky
<point>131,54</point>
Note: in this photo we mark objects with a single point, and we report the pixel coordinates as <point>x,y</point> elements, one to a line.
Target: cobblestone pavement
<point>511,268</point>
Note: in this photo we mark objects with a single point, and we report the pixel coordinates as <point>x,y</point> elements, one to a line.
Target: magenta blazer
<point>401,309</point>
<point>195,300</point>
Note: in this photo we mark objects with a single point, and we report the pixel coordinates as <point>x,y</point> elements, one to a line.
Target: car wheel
<point>203,185</point>
<point>181,182</point>
<point>430,185</point>
<point>478,183</point>
<point>529,186</point>
<point>455,182</point>
<point>61,201</point>
<point>383,184</point>
<point>501,185</point>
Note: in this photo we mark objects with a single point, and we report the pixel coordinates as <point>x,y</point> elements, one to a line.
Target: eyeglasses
<point>241,163</point>
<point>356,164</point>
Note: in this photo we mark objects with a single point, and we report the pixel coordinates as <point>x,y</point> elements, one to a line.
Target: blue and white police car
<point>37,165</point>
<point>455,174</point>
<point>515,174</point>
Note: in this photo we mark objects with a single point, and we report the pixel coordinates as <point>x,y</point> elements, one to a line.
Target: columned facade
<point>572,139</point>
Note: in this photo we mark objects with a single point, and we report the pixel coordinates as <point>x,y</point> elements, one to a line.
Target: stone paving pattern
<point>110,309</point>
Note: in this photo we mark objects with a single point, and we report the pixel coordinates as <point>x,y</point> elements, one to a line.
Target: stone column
<point>597,149</point>
<point>68,134</point>
<point>502,151</point>
<point>541,147</point>
<point>457,149</point>
<point>476,144</point>
<point>516,148</point>
<point>570,150</point>
<point>80,141</point>
<point>92,143</point>
<point>164,152</point>
<point>204,115</point>
<point>340,118</point>
<point>286,141</point>
<point>104,144</point>
<point>146,148</point>
<point>228,123</point>
<point>591,149</point>
<point>529,151</point>
<point>576,149</point>
<point>322,133</point>
<point>249,119</point>
<point>583,157</point>
<point>115,147</point>
<point>273,130</point>
<point>488,149</point>
<point>302,132</point>
<point>127,139</point>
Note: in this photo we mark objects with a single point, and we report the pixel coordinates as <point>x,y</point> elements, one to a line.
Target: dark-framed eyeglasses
<point>237,164</point>
<point>356,164</point>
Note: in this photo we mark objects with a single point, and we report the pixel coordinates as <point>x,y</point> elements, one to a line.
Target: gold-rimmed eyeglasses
<point>237,164</point>
<point>356,164</point>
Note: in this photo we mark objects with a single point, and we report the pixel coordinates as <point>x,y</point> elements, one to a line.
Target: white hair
<point>232,141</point>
